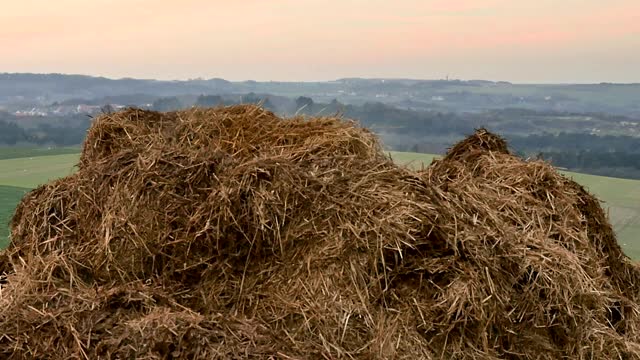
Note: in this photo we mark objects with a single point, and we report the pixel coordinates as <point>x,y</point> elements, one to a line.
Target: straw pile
<point>232,233</point>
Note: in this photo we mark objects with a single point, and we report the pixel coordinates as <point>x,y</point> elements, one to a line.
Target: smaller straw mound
<point>233,233</point>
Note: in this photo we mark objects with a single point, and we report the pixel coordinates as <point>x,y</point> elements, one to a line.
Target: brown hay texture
<point>232,233</point>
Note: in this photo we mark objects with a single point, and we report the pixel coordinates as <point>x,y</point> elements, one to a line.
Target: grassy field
<point>25,152</point>
<point>621,197</point>
<point>9,197</point>
<point>29,172</point>
<point>25,171</point>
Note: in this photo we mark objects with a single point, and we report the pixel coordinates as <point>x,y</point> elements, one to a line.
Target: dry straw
<point>232,233</point>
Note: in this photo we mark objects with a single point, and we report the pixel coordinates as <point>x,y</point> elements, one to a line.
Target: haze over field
<point>541,41</point>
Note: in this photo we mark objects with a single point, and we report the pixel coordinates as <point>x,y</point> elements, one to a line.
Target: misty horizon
<point>328,80</point>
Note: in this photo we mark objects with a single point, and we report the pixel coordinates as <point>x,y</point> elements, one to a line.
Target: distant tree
<point>209,100</point>
<point>107,109</point>
<point>11,133</point>
<point>335,107</point>
<point>167,104</point>
<point>251,98</point>
<point>267,104</point>
<point>304,102</point>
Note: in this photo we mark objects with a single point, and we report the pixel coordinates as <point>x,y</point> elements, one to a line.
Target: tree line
<point>32,130</point>
<point>417,130</point>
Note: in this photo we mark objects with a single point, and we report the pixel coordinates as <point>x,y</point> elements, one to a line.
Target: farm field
<point>620,196</point>
<point>9,197</point>
<point>25,152</point>
<point>29,172</point>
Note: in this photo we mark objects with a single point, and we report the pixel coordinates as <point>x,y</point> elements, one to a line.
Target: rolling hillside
<point>21,171</point>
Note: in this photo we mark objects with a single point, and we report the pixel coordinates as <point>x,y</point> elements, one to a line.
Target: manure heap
<point>233,233</point>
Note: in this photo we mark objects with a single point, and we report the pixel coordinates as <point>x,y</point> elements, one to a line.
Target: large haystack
<point>232,233</point>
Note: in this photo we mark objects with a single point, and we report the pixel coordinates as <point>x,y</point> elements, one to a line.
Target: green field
<point>25,152</point>
<point>29,172</point>
<point>9,197</point>
<point>24,172</point>
<point>620,196</point>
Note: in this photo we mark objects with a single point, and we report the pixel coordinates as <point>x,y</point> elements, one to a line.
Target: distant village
<point>65,110</point>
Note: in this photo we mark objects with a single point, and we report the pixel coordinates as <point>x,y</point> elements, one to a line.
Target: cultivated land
<point>18,175</point>
<point>29,172</point>
<point>22,169</point>
<point>9,197</point>
<point>27,152</point>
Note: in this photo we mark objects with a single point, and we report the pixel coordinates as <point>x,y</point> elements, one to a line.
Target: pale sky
<point>538,41</point>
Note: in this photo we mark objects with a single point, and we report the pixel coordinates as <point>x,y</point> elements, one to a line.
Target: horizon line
<point>322,81</point>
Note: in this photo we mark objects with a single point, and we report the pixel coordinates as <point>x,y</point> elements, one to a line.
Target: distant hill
<point>58,87</point>
<point>449,95</point>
